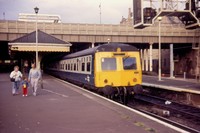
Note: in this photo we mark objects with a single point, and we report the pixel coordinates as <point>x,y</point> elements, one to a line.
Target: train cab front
<point>118,72</point>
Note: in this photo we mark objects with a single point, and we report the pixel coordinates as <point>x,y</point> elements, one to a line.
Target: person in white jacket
<point>34,76</point>
<point>16,75</point>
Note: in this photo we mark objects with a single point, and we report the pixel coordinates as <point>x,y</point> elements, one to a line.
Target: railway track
<point>184,127</point>
<point>188,112</point>
<point>182,109</point>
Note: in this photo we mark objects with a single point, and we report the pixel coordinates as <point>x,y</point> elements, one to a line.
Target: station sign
<point>137,13</point>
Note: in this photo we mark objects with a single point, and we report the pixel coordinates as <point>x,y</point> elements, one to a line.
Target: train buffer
<point>62,107</point>
<point>172,84</point>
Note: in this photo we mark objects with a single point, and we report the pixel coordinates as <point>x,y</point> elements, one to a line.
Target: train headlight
<point>105,81</point>
<point>134,80</point>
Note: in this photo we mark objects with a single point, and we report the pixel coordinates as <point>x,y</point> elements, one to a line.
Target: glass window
<point>83,66</point>
<point>88,66</point>
<point>71,67</point>
<point>78,65</point>
<point>74,67</point>
<point>68,66</point>
<point>129,63</point>
<point>108,64</point>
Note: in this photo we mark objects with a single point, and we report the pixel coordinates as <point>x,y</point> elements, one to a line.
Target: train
<point>112,69</point>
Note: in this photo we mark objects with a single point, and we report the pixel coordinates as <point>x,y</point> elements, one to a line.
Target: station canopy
<point>46,43</point>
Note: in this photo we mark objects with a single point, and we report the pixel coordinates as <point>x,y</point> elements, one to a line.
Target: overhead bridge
<point>98,33</point>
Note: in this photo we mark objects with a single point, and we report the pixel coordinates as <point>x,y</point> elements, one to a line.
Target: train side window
<point>129,63</point>
<point>71,67</point>
<point>83,66</point>
<point>66,67</point>
<point>78,64</point>
<point>108,64</point>
<point>75,67</point>
<point>88,66</point>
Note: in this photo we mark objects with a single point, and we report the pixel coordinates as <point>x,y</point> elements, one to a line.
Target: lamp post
<point>159,48</point>
<point>36,38</point>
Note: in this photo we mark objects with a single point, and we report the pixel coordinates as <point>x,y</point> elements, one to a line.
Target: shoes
<point>23,95</point>
<point>34,94</point>
<point>26,95</point>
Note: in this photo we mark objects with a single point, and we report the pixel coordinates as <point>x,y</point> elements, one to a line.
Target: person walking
<point>25,86</point>
<point>33,78</point>
<point>15,77</point>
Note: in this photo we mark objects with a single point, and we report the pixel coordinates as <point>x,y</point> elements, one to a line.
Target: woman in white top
<point>16,75</point>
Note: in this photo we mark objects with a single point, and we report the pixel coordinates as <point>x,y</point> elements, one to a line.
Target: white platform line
<point>53,92</point>
<point>172,88</point>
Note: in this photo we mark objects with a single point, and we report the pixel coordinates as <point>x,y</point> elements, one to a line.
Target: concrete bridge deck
<point>95,33</point>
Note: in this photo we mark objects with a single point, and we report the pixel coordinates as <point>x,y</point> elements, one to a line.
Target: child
<point>25,86</point>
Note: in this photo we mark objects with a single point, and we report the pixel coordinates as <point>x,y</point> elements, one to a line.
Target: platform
<point>174,84</point>
<point>62,108</point>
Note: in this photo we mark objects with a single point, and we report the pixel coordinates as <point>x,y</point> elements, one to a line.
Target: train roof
<point>111,47</point>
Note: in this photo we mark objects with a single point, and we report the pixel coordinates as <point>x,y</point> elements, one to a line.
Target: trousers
<point>25,91</point>
<point>15,87</point>
<point>34,85</point>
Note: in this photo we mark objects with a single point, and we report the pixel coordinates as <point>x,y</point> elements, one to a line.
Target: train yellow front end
<point>117,69</point>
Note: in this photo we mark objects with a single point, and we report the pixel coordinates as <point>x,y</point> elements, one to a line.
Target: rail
<point>187,113</point>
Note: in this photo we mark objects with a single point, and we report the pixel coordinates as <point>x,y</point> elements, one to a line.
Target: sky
<point>71,11</point>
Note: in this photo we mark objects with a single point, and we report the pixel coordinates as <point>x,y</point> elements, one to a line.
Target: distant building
<point>129,20</point>
<point>47,18</point>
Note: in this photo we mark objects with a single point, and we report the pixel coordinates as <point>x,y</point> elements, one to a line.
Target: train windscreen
<point>129,63</point>
<point>108,64</point>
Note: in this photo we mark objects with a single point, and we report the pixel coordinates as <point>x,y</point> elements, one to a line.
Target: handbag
<point>12,79</point>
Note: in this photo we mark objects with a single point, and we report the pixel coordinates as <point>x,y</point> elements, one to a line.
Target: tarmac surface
<point>175,84</point>
<point>62,108</point>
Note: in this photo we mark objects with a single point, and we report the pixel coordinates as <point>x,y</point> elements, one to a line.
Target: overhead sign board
<point>137,12</point>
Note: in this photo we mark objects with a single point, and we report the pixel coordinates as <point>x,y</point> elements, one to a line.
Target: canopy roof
<point>46,43</point>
